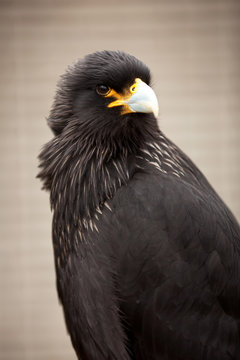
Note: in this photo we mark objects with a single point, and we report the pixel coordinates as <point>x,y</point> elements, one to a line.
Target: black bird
<point>147,255</point>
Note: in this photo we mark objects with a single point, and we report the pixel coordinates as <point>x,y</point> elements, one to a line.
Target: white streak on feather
<point>98,210</point>
<point>95,227</point>
<point>91,224</point>
<point>147,152</point>
<point>107,206</point>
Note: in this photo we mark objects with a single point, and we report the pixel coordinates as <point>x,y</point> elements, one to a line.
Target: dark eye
<point>103,90</point>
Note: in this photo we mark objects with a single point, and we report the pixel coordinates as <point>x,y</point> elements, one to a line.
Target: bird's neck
<point>83,178</point>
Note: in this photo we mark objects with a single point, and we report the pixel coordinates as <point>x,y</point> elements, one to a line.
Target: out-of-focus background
<point>192,48</point>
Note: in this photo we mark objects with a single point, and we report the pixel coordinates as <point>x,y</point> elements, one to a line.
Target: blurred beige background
<point>192,48</point>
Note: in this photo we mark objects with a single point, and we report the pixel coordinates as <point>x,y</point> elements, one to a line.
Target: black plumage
<point>147,255</point>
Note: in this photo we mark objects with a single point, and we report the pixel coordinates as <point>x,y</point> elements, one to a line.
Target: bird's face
<point>104,91</point>
<point>138,97</point>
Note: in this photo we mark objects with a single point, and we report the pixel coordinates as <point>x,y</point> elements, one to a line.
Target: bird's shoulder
<point>169,220</point>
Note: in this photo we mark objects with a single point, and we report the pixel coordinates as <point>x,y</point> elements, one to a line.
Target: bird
<point>147,255</point>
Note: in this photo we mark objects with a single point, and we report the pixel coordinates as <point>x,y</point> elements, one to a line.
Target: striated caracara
<point>147,255</point>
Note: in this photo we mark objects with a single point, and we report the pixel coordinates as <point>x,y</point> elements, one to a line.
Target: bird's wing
<point>85,288</point>
<point>178,269</point>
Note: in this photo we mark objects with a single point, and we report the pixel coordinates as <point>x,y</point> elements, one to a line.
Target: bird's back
<point>177,268</point>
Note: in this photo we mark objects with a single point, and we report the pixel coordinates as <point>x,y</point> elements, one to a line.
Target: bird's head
<point>105,95</point>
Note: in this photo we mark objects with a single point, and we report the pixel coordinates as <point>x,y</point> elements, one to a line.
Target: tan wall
<point>192,48</point>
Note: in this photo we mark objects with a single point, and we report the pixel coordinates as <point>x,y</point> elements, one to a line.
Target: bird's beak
<point>138,98</point>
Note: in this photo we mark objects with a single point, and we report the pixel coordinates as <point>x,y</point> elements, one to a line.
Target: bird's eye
<point>103,90</point>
